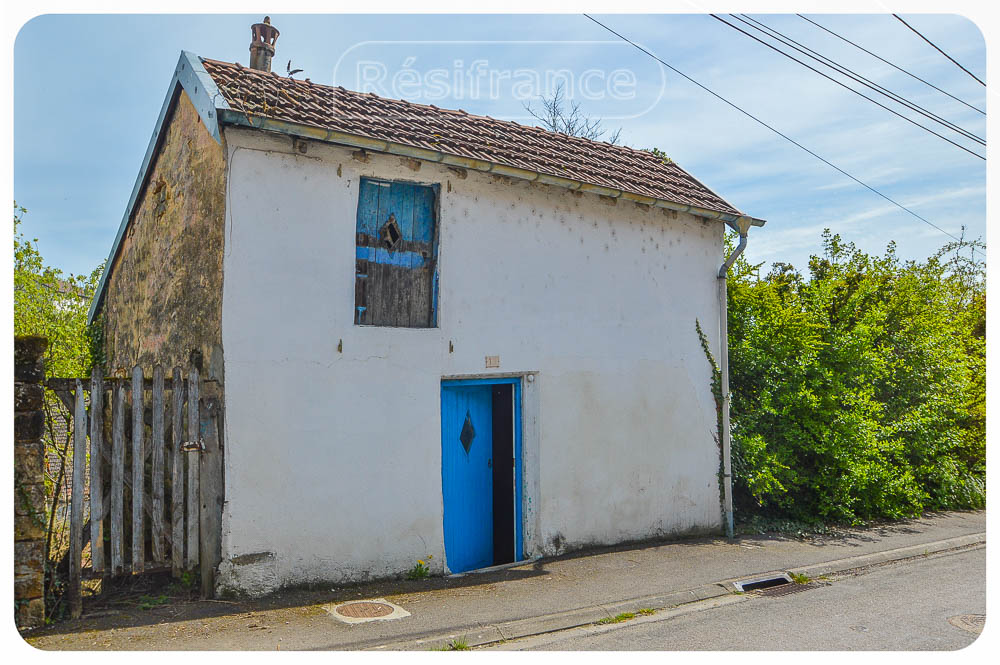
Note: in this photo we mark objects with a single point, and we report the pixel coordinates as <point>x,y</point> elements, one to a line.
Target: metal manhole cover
<point>972,623</point>
<point>360,611</point>
<point>785,589</point>
<point>365,610</point>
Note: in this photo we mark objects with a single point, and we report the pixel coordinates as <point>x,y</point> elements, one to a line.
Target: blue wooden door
<point>467,475</point>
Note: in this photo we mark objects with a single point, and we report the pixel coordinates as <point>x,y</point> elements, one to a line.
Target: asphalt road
<point>901,606</point>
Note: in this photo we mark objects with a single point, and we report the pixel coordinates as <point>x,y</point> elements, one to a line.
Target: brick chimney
<point>262,46</point>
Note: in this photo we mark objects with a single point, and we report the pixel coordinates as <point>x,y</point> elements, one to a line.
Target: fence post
<point>138,471</point>
<point>156,467</point>
<point>194,429</point>
<point>211,491</point>
<point>29,492</point>
<point>177,477</point>
<point>96,477</point>
<point>77,482</point>
<point>117,478</point>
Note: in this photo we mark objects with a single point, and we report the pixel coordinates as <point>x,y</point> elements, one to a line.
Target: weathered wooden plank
<point>193,504</point>
<point>379,301</point>
<point>210,491</point>
<point>76,502</point>
<point>117,479</point>
<point>138,472</point>
<point>366,232</point>
<point>177,478</point>
<point>66,397</point>
<point>424,213</point>
<point>360,290</point>
<point>96,477</point>
<point>68,385</point>
<point>402,289</point>
<point>156,467</point>
<point>392,293</point>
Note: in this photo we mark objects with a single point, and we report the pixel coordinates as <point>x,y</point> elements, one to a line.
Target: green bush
<point>858,391</point>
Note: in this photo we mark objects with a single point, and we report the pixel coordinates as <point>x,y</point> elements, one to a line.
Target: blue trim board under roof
<point>191,77</point>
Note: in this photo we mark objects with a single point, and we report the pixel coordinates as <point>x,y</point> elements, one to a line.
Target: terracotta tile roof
<point>459,133</point>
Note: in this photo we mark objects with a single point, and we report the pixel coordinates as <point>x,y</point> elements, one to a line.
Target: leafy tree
<point>859,390</point>
<point>50,303</point>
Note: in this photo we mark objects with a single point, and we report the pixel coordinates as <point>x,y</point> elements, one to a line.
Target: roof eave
<point>240,119</point>
<point>190,76</point>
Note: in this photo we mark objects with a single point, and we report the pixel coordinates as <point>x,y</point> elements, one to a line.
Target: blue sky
<point>87,90</point>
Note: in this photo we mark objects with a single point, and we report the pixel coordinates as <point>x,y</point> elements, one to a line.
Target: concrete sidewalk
<point>529,599</point>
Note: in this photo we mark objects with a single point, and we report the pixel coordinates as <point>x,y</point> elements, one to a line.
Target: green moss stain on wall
<point>164,295</point>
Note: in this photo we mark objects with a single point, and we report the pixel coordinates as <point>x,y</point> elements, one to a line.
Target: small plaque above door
<point>492,362</point>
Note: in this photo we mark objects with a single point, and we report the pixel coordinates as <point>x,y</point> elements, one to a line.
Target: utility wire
<point>939,50</point>
<point>847,87</point>
<point>877,57</point>
<point>868,83</point>
<point>764,124</point>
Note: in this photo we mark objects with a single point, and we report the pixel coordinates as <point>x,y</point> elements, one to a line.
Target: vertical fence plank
<point>76,502</point>
<point>193,504</point>
<point>210,492</point>
<point>177,478</point>
<point>156,467</point>
<point>117,478</point>
<point>96,478</point>
<point>138,471</point>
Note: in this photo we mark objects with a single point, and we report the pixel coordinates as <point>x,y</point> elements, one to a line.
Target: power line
<point>858,46</point>
<point>847,87</point>
<point>764,124</point>
<point>939,50</point>
<point>760,26</point>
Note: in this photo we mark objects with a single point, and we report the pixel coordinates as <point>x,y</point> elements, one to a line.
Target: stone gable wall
<point>164,293</point>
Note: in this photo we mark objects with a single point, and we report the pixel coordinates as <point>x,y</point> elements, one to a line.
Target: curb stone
<point>548,623</point>
<point>899,554</point>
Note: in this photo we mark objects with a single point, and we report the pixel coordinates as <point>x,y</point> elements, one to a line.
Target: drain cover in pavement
<point>365,610</point>
<point>360,611</point>
<point>785,589</point>
<point>971,622</point>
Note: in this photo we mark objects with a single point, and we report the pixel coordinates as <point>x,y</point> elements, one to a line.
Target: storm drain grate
<point>972,623</point>
<point>785,589</point>
<point>762,582</point>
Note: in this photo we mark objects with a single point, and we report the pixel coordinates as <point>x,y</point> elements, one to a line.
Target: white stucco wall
<point>333,458</point>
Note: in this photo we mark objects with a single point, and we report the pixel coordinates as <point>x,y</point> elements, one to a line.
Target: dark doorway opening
<point>504,480</point>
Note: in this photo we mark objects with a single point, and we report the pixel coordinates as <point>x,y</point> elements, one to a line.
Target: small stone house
<point>438,334</point>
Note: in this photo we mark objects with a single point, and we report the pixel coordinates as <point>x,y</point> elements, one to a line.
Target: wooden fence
<point>172,485</point>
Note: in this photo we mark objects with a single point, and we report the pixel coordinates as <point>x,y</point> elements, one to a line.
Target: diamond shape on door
<point>468,433</point>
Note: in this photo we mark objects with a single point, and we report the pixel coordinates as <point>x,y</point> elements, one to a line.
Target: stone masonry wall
<point>164,292</point>
<point>29,489</point>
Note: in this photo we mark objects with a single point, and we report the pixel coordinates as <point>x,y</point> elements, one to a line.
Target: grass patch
<point>646,611</point>
<point>458,644</point>
<point>800,579</point>
<point>149,602</point>
<point>619,618</point>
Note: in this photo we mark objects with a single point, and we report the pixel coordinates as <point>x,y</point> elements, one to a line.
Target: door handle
<point>489,463</point>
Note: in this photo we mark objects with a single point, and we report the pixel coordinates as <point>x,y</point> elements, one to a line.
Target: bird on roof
<point>291,72</point>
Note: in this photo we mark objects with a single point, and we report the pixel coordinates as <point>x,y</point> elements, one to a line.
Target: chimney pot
<point>262,44</point>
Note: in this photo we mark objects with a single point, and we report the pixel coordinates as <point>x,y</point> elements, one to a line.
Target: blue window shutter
<point>396,255</point>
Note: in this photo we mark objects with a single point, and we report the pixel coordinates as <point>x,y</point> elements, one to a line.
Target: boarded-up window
<point>396,259</point>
